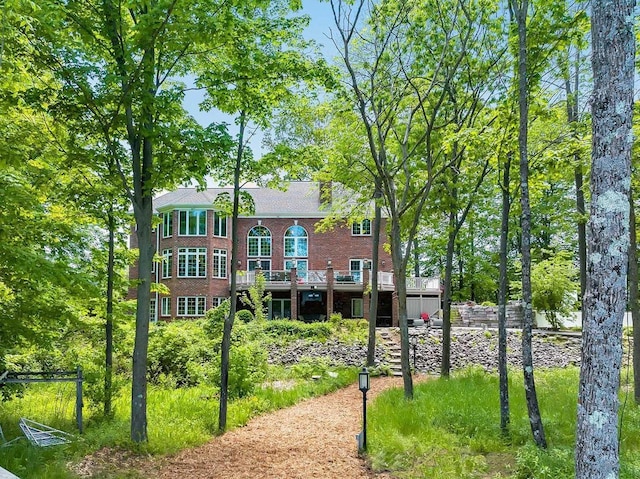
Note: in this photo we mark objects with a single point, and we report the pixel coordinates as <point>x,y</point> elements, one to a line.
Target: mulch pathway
<point>313,439</point>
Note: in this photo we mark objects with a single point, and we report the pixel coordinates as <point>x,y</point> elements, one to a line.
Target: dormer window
<point>362,228</point>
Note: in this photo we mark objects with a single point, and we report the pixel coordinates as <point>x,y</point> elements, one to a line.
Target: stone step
<point>393,361</point>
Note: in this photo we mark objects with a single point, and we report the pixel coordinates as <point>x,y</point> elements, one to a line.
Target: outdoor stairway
<point>393,347</point>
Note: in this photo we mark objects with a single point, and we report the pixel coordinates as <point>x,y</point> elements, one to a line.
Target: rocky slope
<point>468,347</point>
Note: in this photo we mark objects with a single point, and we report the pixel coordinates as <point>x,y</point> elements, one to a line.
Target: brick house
<point>309,274</point>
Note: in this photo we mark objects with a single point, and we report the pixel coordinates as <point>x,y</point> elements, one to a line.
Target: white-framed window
<point>301,266</point>
<point>166,306</point>
<point>167,263</point>
<point>265,264</point>
<point>192,222</point>
<point>259,241</point>
<point>219,224</point>
<point>296,242</point>
<point>362,228</point>
<point>153,310</point>
<point>191,305</point>
<point>280,308</point>
<point>219,264</point>
<point>217,301</point>
<point>192,262</point>
<point>355,269</point>
<point>167,224</point>
<point>357,308</point>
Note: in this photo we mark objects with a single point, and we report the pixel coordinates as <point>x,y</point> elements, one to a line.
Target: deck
<point>342,281</point>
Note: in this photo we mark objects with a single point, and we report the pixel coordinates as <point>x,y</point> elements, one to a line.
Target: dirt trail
<point>313,439</point>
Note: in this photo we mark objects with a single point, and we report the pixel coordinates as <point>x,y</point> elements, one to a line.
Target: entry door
<point>280,308</point>
<point>356,267</point>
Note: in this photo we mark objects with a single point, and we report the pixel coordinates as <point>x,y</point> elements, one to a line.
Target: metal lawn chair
<point>42,435</point>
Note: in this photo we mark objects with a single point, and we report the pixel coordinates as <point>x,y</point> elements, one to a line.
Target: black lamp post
<point>363,384</point>
<point>414,344</point>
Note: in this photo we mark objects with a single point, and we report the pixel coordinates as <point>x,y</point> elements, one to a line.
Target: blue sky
<point>318,29</point>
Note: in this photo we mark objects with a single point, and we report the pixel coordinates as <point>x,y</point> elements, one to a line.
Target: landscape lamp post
<point>363,383</point>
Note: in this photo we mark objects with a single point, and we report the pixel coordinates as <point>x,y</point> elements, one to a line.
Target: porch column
<point>395,314</point>
<point>366,294</point>
<point>294,293</point>
<point>329,289</point>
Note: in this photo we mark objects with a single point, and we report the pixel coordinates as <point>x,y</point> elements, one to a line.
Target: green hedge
<point>297,329</point>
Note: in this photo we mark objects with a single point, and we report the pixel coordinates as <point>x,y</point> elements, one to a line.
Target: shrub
<point>349,330</point>
<point>245,316</point>
<point>291,329</point>
<point>554,287</point>
<point>256,297</point>
<point>215,317</point>
<point>180,353</point>
<point>247,369</point>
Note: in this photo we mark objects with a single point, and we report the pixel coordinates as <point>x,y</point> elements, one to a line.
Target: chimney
<point>325,188</point>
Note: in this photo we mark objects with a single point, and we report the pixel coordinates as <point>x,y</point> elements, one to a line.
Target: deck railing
<point>319,278</point>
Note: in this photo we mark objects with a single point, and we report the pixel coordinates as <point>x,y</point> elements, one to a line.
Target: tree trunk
<point>373,306</point>
<point>471,269</point>
<point>535,419</point>
<point>582,228</point>
<point>502,299</point>
<point>108,362</point>
<point>445,367</point>
<point>416,259</point>
<point>141,344</point>
<point>572,119</point>
<point>613,46</point>
<point>228,322</point>
<point>399,271</point>
<point>457,217</point>
<point>633,297</point>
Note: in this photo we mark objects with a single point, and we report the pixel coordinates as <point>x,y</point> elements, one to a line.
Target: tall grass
<point>451,429</point>
<point>178,419</point>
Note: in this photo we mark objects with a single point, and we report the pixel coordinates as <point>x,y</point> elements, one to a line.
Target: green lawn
<point>451,429</point>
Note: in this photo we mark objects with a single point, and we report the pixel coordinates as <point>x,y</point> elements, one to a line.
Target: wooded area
<point>428,113</point>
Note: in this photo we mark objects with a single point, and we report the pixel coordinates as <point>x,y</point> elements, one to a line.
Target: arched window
<point>259,242</point>
<point>296,242</point>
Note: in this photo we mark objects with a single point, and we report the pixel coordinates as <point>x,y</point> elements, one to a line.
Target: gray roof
<point>301,199</point>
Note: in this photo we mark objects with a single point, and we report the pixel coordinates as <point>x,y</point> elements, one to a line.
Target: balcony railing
<point>423,283</point>
<point>348,277</point>
<point>275,278</point>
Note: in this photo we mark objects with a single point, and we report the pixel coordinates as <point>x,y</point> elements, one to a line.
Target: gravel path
<point>313,439</point>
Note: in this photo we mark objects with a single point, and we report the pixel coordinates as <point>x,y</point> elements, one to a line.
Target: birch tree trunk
<point>533,409</point>
<point>634,305</point>
<point>502,298</point>
<point>613,47</point>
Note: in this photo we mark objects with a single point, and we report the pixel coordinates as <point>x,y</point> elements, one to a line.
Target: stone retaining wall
<point>475,315</point>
